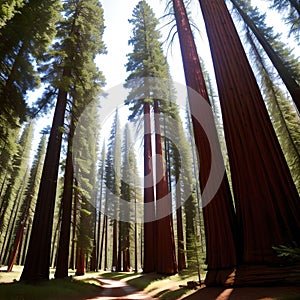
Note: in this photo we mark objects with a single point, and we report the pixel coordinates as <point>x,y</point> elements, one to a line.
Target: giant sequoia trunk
<point>38,256</point>
<point>62,264</point>
<point>166,258</point>
<point>267,203</point>
<point>218,212</point>
<point>149,213</point>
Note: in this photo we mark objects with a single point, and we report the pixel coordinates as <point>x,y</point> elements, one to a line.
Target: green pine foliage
<point>20,166</point>
<point>281,56</point>
<point>23,41</point>
<point>290,10</point>
<point>146,60</point>
<point>282,112</point>
<point>69,64</point>
<point>8,9</point>
<point>85,169</point>
<point>131,193</point>
<point>113,182</point>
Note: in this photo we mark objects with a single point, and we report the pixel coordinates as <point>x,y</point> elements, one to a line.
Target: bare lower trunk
<point>218,208</point>
<point>267,205</point>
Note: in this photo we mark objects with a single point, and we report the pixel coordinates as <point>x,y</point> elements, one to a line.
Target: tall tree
<point>23,41</point>
<point>283,114</point>
<point>20,166</point>
<point>30,196</point>
<point>254,152</point>
<point>85,159</point>
<point>70,71</point>
<point>291,13</point>
<point>147,60</point>
<point>218,212</point>
<point>8,9</point>
<point>129,193</point>
<point>113,183</point>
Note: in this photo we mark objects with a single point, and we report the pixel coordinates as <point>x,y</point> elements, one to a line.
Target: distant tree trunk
<point>80,263</point>
<point>26,241</point>
<point>135,238</point>
<point>166,258</point>
<point>115,245</point>
<point>180,238</point>
<point>149,213</point>
<point>120,246</point>
<point>74,225</point>
<point>106,245</point>
<point>102,243</point>
<point>126,253</point>
<point>62,265</point>
<point>267,205</point>
<point>100,246</point>
<point>218,212</point>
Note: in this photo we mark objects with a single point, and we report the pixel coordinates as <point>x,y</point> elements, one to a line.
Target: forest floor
<point>132,286</point>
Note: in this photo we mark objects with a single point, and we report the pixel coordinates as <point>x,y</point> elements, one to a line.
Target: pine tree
<point>280,55</point>
<point>29,198</point>
<point>20,162</point>
<point>101,179</point>
<point>291,13</point>
<point>85,165</point>
<point>129,194</point>
<point>23,41</point>
<point>282,112</point>
<point>113,182</point>
<point>71,72</point>
<point>8,9</point>
<point>147,60</point>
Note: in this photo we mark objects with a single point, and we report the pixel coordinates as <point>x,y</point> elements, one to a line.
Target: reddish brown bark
<point>115,246</point>
<point>219,217</point>
<point>16,245</point>
<point>38,255</point>
<point>267,203</point>
<point>80,263</point>
<point>166,258</point>
<point>62,264</point>
<point>149,213</point>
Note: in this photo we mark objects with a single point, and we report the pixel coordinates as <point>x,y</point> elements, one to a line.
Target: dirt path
<point>113,289</point>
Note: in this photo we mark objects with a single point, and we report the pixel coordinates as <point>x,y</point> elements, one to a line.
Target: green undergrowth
<point>58,289</point>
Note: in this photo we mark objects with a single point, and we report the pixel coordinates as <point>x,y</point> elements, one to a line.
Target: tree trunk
<point>149,213</point>
<point>38,255</point>
<point>218,208</point>
<point>62,265</point>
<point>166,258</point>
<point>74,226</point>
<point>180,238</point>
<point>115,246</point>
<point>80,263</point>
<point>267,205</point>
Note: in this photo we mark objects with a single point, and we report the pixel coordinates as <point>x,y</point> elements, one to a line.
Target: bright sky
<point>118,31</point>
